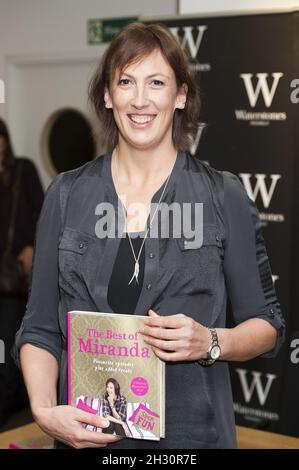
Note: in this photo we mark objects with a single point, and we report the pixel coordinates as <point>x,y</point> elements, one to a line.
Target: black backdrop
<point>245,67</point>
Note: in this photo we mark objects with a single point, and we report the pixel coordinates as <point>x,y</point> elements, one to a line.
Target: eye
<point>124,81</point>
<point>157,83</point>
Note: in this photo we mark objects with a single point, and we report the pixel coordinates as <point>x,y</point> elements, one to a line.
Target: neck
<point>136,167</point>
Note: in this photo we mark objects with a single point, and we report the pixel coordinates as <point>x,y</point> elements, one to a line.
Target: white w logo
<point>188,39</point>
<point>256,384</point>
<point>2,352</point>
<point>262,86</point>
<point>260,187</point>
<point>195,143</point>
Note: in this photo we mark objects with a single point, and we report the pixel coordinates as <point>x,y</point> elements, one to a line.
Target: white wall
<point>53,31</point>
<point>209,6</point>
<point>37,26</point>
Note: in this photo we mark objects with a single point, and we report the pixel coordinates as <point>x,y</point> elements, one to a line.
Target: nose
<point>140,98</point>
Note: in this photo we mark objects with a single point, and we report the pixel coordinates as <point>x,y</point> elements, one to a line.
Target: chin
<point>142,145</point>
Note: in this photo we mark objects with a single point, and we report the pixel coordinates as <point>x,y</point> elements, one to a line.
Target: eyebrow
<point>149,76</point>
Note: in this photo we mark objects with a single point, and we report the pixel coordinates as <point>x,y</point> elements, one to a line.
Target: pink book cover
<point>113,373</point>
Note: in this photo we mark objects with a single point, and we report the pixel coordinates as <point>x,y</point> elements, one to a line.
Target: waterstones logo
<point>263,188</point>
<point>254,414</point>
<point>191,38</point>
<point>260,88</point>
<point>256,385</point>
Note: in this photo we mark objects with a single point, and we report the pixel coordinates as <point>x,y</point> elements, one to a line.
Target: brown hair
<point>134,42</point>
<point>116,387</point>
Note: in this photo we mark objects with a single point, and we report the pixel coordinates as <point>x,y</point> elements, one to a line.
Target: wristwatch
<point>214,350</point>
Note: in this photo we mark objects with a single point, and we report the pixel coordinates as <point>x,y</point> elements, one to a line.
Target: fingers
<point>169,356</point>
<point>171,321</point>
<point>152,313</point>
<point>97,438</point>
<point>160,333</point>
<point>173,338</point>
<point>84,439</point>
<point>88,418</point>
<point>164,345</point>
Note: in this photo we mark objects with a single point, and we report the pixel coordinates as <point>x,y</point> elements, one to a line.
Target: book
<point>113,373</point>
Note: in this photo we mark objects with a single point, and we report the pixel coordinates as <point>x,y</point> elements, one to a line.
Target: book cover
<point>112,372</point>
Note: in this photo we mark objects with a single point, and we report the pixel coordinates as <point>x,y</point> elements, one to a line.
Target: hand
<point>64,423</point>
<point>26,257</point>
<point>176,337</point>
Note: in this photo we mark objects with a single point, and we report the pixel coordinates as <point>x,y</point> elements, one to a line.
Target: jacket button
<point>148,286</point>
<point>151,255</point>
<point>217,238</point>
<point>81,245</point>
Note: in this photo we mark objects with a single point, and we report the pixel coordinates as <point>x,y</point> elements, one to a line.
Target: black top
<point>30,200</point>
<point>122,297</point>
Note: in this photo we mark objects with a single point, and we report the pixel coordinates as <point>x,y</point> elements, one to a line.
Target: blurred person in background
<point>21,199</point>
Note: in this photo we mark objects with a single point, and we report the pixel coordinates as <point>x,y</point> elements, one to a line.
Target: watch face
<point>215,352</point>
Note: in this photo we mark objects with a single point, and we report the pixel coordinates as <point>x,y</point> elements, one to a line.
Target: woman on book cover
<point>103,245</point>
<point>114,408</point>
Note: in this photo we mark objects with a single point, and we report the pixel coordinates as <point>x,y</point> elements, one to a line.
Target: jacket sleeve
<point>40,325</point>
<point>246,265</point>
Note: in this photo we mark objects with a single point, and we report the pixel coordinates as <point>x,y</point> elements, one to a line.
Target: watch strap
<point>210,360</point>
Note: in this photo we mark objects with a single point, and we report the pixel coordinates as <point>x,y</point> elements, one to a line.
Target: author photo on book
<point>147,102</point>
<point>114,408</point>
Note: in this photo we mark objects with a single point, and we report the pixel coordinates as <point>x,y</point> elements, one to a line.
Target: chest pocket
<point>198,264</point>
<point>73,252</point>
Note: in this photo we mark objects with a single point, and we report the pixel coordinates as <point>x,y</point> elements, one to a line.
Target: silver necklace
<point>136,258</point>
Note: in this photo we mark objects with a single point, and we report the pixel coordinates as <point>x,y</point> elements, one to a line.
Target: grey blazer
<point>72,267</point>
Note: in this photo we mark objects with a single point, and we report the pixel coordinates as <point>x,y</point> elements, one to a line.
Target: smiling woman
<point>147,70</point>
<point>148,105</point>
<point>145,104</point>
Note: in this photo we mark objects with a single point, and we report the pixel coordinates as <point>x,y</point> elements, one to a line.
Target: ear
<point>107,98</point>
<point>181,96</point>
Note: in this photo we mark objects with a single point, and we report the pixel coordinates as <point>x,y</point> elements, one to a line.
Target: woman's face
<point>2,144</point>
<point>143,99</point>
<point>110,388</point>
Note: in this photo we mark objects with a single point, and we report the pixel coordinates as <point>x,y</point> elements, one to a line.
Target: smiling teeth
<point>141,119</point>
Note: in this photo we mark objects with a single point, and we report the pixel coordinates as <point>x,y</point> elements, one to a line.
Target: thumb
<point>92,419</point>
<point>152,313</point>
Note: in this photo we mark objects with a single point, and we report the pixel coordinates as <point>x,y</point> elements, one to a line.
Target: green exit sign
<point>101,31</point>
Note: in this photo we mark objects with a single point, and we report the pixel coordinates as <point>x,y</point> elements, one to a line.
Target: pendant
<point>136,272</point>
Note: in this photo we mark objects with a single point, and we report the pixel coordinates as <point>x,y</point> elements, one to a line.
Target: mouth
<point>141,119</point>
